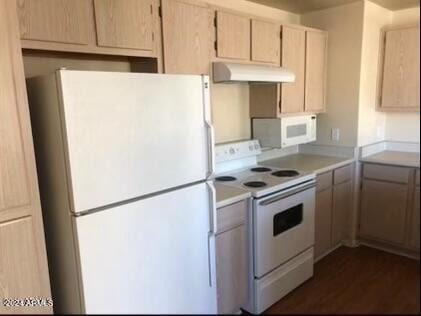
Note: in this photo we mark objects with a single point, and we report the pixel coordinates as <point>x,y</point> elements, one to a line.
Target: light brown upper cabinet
<point>23,259</point>
<point>63,21</point>
<point>109,27</point>
<point>124,24</point>
<point>265,42</point>
<point>303,51</point>
<point>399,76</point>
<point>315,77</point>
<point>232,36</point>
<point>293,58</point>
<point>187,36</point>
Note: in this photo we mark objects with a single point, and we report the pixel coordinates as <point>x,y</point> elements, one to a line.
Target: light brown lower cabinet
<point>232,260</point>
<point>333,206</point>
<point>390,207</point>
<point>342,204</point>
<point>383,210</point>
<point>323,222</point>
<point>414,235</point>
<point>231,264</point>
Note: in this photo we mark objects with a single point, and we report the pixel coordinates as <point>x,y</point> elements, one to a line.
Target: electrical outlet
<point>336,134</point>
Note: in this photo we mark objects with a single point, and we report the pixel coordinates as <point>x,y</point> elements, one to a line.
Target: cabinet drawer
<point>231,216</point>
<point>387,173</point>
<point>324,181</point>
<point>342,174</point>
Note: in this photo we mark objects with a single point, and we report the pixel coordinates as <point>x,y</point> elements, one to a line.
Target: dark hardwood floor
<point>357,281</point>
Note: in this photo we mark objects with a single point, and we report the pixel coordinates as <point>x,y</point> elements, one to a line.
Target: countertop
<point>226,195</point>
<point>397,158</point>
<point>306,162</point>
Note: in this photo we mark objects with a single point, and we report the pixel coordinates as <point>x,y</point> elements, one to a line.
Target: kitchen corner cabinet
<point>188,38</point>
<point>390,206</point>
<point>232,257</point>
<point>334,194</point>
<point>265,42</point>
<point>399,70</point>
<point>233,33</point>
<point>303,51</point>
<point>23,259</point>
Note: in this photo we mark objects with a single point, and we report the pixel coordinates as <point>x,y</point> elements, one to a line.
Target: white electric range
<point>280,221</point>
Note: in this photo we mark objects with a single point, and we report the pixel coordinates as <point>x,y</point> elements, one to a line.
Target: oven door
<point>283,227</point>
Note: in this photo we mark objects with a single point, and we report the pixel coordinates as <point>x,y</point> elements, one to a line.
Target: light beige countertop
<point>226,195</point>
<point>306,162</point>
<point>397,158</point>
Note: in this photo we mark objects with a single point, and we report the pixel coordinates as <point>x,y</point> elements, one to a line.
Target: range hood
<point>231,72</point>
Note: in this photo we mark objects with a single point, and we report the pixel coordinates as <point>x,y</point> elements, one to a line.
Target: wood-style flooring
<point>357,281</point>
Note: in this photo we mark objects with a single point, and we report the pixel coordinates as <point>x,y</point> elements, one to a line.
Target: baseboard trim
<point>391,249</point>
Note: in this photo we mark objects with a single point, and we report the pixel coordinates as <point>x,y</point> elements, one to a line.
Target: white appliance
<point>286,131</point>
<point>123,161</point>
<point>281,221</point>
<point>232,72</point>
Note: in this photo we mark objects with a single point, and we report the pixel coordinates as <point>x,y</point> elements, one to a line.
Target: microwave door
<point>294,134</point>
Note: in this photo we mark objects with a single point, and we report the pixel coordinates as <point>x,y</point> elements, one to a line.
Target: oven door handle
<point>274,199</point>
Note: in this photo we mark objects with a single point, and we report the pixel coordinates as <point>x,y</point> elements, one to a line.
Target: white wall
<point>353,60</point>
<point>371,123</point>
<point>404,127</point>
<point>345,27</point>
<point>230,103</point>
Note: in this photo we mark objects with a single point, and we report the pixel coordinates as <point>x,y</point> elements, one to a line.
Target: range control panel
<point>237,150</point>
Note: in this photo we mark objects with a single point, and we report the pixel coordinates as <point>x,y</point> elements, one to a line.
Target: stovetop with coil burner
<point>261,180</point>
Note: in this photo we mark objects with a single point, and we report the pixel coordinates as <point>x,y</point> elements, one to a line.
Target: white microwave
<point>285,131</point>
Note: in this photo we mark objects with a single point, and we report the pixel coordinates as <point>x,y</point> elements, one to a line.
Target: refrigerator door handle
<point>212,230</point>
<point>211,142</point>
<point>212,204</point>
<point>209,126</point>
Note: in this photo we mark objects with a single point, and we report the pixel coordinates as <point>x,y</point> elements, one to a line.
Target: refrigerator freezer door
<point>150,256</point>
<point>130,134</point>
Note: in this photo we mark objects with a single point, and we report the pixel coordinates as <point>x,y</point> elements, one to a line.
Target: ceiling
<point>303,6</point>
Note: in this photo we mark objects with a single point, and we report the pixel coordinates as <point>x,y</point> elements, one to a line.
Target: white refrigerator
<point>123,161</point>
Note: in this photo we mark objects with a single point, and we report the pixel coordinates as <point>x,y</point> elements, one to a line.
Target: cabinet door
<point>414,233</point>
<point>21,273</point>
<point>233,36</point>
<point>316,50</point>
<point>342,204</point>
<point>232,270</point>
<point>188,42</point>
<point>62,21</point>
<point>23,261</point>
<point>265,42</point>
<point>401,70</point>
<point>323,222</point>
<point>383,210</point>
<point>124,24</point>
<point>293,58</point>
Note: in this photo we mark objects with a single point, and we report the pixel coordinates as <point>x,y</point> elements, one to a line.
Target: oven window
<point>296,130</point>
<point>287,219</point>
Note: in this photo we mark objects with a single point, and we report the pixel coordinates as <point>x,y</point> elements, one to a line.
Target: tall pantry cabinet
<point>23,260</point>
